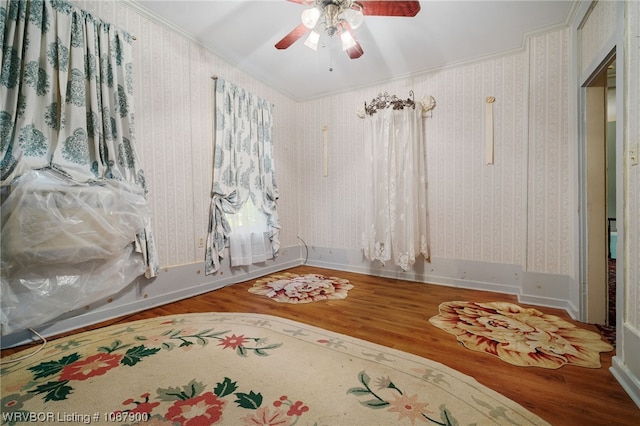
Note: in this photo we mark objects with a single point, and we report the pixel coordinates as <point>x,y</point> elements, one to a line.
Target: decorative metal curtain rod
<point>385,100</point>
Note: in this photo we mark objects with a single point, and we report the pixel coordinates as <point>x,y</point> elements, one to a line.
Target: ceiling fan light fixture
<point>342,17</point>
<point>312,41</point>
<point>310,17</point>
<point>347,40</point>
<point>354,16</point>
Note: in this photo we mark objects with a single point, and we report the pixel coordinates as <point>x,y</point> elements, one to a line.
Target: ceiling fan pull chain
<point>330,59</point>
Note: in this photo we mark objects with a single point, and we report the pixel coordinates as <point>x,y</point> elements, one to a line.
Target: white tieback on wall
<point>325,160</point>
<point>488,138</point>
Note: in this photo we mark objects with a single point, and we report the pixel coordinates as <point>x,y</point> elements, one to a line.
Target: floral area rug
<point>294,288</point>
<point>520,336</point>
<point>241,369</point>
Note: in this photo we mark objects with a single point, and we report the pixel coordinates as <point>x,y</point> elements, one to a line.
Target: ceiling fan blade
<point>292,37</point>
<point>390,8</point>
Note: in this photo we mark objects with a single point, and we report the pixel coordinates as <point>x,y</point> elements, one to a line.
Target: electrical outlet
<point>201,243</point>
<point>633,154</point>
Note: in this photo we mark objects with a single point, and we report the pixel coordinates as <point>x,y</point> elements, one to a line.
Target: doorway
<point>612,228</point>
<point>599,186</point>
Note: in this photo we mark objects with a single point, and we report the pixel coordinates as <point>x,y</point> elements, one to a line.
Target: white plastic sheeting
<point>65,245</point>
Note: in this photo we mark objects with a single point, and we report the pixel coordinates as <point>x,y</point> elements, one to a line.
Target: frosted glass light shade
<point>310,17</point>
<point>312,41</point>
<point>354,17</point>
<point>347,40</point>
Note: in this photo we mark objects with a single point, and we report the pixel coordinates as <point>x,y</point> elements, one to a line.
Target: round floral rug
<point>520,336</point>
<point>240,369</point>
<point>294,288</point>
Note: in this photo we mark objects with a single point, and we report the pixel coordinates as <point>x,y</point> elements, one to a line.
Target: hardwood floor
<point>395,313</point>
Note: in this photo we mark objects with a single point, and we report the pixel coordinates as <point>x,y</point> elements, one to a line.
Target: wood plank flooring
<point>395,313</point>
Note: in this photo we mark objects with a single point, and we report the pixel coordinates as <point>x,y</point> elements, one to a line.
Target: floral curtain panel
<point>243,167</point>
<point>66,99</point>
<point>396,216</point>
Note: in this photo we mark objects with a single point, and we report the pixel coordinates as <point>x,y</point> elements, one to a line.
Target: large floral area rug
<point>241,369</point>
<point>287,287</point>
<point>520,336</point>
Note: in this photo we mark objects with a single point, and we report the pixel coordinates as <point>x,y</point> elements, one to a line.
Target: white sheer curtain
<point>396,216</point>
<point>249,238</point>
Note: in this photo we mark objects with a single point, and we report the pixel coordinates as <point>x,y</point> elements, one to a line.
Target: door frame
<point>593,200</point>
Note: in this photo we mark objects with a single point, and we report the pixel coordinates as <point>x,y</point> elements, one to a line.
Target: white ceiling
<point>443,33</point>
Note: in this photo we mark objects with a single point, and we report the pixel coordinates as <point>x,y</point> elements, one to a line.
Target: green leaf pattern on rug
<point>238,344</point>
<point>135,355</point>
<point>54,391</point>
<point>114,347</point>
<point>49,368</point>
<point>73,367</point>
<point>211,405</point>
<point>249,400</point>
<point>227,387</point>
<point>406,406</point>
<point>191,390</point>
<point>181,338</point>
<point>377,402</point>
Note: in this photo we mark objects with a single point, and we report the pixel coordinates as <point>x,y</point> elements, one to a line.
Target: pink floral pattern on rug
<point>294,288</point>
<point>520,336</point>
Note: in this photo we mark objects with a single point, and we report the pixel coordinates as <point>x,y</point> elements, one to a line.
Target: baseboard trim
<point>419,277</point>
<point>627,380</point>
<point>542,289</point>
<point>625,365</point>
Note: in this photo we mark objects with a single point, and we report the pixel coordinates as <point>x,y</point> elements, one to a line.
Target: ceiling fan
<point>342,17</point>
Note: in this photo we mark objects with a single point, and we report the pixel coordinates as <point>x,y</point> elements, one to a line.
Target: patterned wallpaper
<point>478,212</point>
<point>549,164</point>
<point>478,209</point>
<point>597,30</point>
